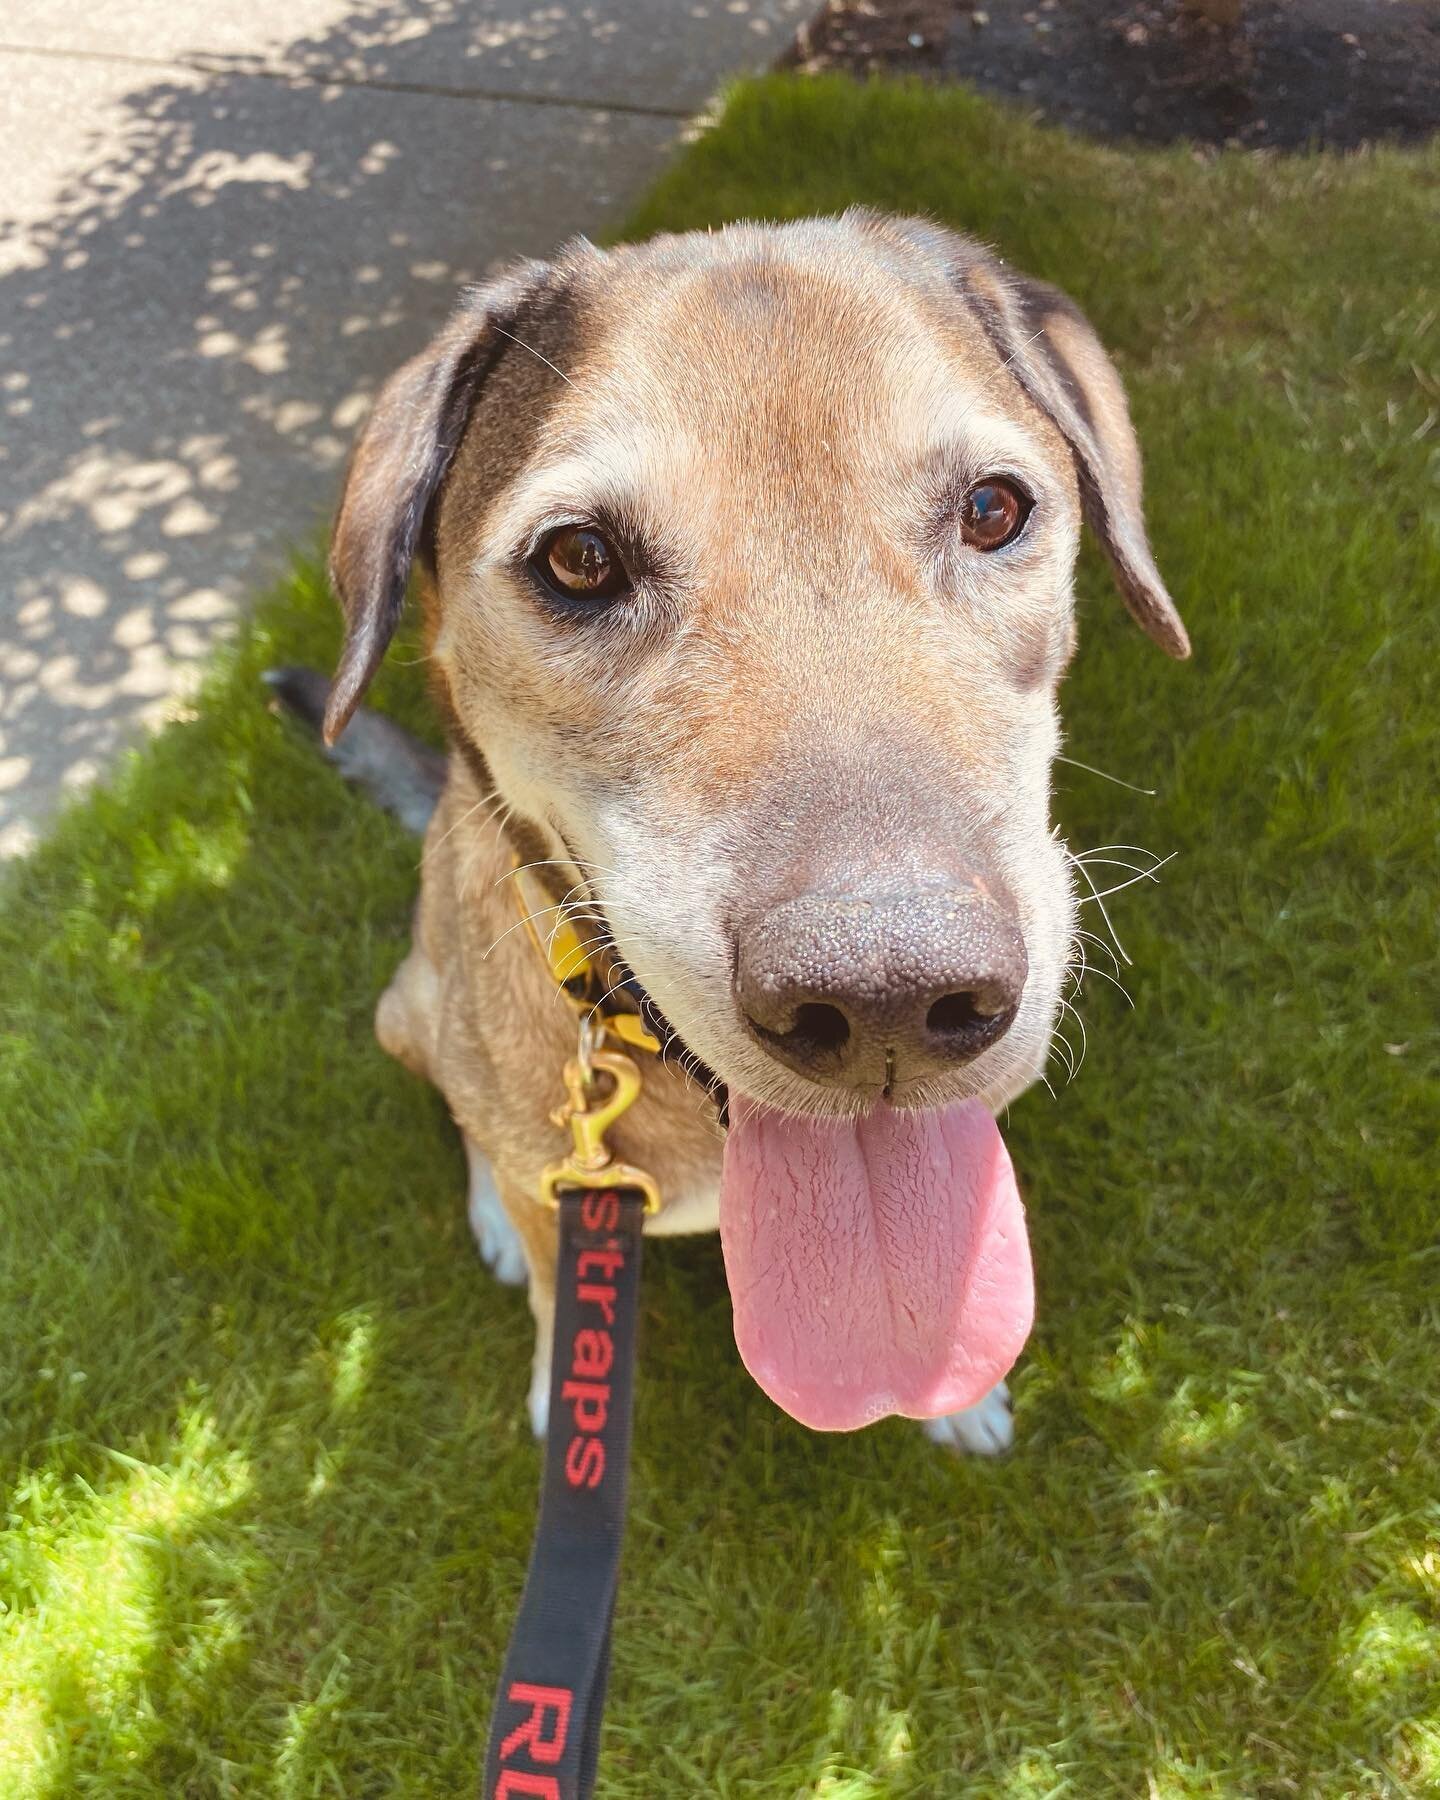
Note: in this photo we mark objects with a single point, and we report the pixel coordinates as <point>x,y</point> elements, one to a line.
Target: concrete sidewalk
<point>221,225</point>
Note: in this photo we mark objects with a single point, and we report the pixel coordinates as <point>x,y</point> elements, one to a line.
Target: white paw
<point>498,1241</point>
<point>540,1396</point>
<point>985,1429</point>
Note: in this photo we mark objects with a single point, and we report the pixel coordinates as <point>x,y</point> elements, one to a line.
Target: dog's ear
<point>396,469</point>
<point>1052,349</point>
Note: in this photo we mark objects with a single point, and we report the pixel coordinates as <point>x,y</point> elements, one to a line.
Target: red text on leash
<point>537,1739</point>
<point>587,1391</point>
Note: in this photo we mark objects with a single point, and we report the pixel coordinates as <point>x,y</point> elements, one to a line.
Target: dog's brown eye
<point>994,512</point>
<point>580,563</point>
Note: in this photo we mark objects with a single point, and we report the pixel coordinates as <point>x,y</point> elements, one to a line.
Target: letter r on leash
<point>543,1748</point>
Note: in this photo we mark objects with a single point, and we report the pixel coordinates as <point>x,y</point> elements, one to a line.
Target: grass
<point>267,1476</point>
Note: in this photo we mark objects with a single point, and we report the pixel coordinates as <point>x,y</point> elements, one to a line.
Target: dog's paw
<point>497,1239</point>
<point>985,1429</point>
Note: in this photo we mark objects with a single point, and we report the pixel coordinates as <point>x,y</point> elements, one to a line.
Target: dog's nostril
<point>818,1031</point>
<point>817,1036</point>
<point>955,1014</point>
<point>819,1028</point>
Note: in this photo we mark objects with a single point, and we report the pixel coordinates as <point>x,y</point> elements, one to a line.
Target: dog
<point>748,564</point>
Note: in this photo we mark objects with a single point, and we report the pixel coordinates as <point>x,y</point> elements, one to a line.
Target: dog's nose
<point>844,987</point>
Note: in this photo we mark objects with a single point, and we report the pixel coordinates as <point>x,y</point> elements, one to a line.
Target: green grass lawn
<point>265,1466</point>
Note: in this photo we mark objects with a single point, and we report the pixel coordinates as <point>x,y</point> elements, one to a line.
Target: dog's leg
<point>984,1429</point>
<point>543,1309</point>
<point>518,1241</point>
<point>495,1237</point>
<point>533,1233</point>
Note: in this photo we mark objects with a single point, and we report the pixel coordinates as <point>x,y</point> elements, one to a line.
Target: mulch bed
<point>1290,73</point>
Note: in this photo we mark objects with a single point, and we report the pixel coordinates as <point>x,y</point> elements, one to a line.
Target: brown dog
<point>750,561</point>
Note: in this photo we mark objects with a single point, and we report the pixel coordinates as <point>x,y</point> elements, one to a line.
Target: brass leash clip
<point>589,1114</point>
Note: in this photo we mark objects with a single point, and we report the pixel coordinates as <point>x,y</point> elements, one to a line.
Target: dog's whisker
<point>1144,875</point>
<point>678,1064</point>
<point>1099,851</point>
<point>571,951</point>
<point>1118,862</point>
<point>555,862</point>
<point>1079,965</point>
<point>503,815</point>
<point>1105,976</point>
<point>533,351</point>
<point>1084,1039</point>
<point>986,385</point>
<point>1101,860</point>
<point>430,849</point>
<point>500,814</point>
<point>1058,1043</point>
<point>566,913</point>
<point>604,939</point>
<point>1091,937</point>
<point>1139,849</point>
<point>1099,900</point>
<point>1146,871</point>
<point>529,918</point>
<point>615,987</point>
<point>1094,968</point>
<point>1090,769</point>
<point>470,867</point>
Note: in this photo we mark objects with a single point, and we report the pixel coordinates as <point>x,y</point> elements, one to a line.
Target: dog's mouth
<point>673,1048</point>
<point>876,1265</point>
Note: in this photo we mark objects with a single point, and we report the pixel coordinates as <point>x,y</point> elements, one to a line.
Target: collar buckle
<point>600,1084</point>
<point>589,1111</point>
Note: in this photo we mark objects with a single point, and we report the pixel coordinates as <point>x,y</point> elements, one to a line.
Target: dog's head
<point>753,554</point>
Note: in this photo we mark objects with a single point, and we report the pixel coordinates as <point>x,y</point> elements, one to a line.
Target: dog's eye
<point>994,512</point>
<point>580,563</point>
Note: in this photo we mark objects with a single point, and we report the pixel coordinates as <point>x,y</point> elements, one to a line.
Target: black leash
<point>545,1727</point>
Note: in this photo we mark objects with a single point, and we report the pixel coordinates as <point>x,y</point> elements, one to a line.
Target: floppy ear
<point>1052,349</point>
<point>396,470</point>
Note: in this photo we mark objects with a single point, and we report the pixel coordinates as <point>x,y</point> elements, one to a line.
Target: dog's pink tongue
<point>877,1266</point>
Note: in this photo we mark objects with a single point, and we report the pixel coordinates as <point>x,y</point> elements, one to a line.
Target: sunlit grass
<point>268,1485</point>
<point>83,1570</point>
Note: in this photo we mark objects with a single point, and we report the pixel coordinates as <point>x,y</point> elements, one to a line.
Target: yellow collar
<point>571,967</point>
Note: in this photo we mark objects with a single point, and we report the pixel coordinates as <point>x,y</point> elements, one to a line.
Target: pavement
<point>222,224</point>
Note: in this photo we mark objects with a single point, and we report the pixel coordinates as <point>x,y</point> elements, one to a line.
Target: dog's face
<point>754,577</point>
<point>755,591</point>
<point>752,562</point>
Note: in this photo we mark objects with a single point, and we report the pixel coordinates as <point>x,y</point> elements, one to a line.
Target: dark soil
<point>1290,73</point>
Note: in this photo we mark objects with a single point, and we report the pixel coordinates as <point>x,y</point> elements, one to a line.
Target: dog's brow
<point>604,473</point>
<point>995,375</point>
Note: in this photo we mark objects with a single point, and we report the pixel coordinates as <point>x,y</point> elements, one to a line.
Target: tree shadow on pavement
<point>192,325</point>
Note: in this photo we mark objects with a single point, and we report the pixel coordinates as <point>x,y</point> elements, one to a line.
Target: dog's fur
<point>814,678</point>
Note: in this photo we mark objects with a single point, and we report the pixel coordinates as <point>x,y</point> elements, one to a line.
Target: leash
<point>545,1724</point>
<point>545,1727</point>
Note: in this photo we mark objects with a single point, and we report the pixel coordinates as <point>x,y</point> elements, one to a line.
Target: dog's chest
<point>695,1207</point>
